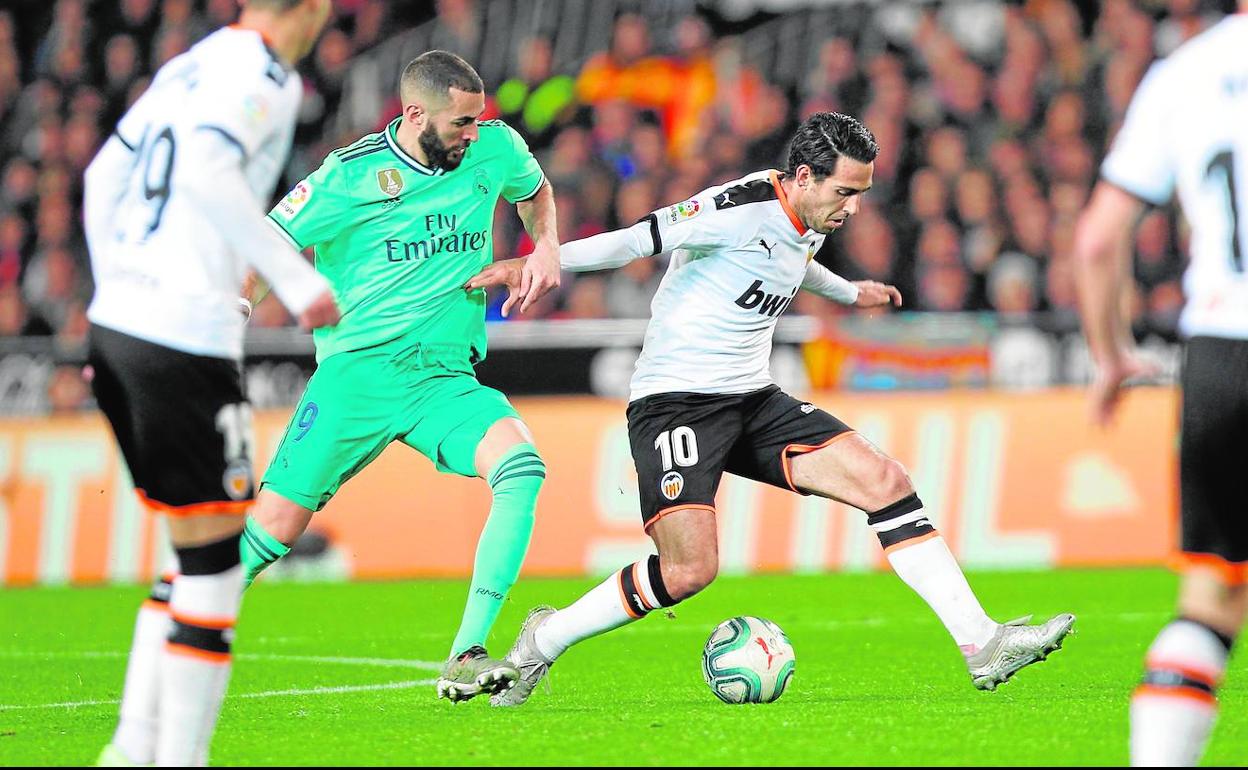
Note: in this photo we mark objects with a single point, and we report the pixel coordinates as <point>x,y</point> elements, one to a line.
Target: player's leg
<point>196,662</point>
<point>791,444</point>
<point>687,561</point>
<point>1174,708</point>
<point>343,422</point>
<point>468,429</point>
<point>134,741</point>
<point>853,471</point>
<point>184,427</point>
<point>666,432</point>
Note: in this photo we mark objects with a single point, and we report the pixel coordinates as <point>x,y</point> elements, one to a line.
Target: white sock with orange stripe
<point>920,557</point>
<point>195,666</point>
<point>136,729</point>
<point>627,595</point>
<point>1174,708</point>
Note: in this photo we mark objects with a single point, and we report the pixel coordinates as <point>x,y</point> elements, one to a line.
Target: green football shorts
<point>357,402</point>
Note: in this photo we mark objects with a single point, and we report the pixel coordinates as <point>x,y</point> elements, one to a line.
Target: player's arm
<point>824,283</point>
<point>1102,256</point>
<point>1138,170</point>
<point>104,185</point>
<point>692,224</point>
<point>540,272</point>
<point>223,196</point>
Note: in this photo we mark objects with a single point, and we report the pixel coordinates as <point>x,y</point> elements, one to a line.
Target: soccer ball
<point>747,660</point>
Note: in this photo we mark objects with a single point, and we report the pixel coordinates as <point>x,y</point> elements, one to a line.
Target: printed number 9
<point>306,418</point>
<point>156,175</point>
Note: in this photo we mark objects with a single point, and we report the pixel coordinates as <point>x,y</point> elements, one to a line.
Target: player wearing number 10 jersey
<point>173,211</point>
<point>1186,132</point>
<point>703,403</point>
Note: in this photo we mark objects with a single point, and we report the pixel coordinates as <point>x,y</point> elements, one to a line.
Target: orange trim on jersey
<point>794,219</point>
<point>1187,693</point>
<point>236,507</point>
<point>195,652</point>
<point>1196,674</point>
<point>217,624</point>
<point>910,542</point>
<point>628,608</point>
<point>674,508</point>
<point>267,40</point>
<point>1233,573</point>
<point>792,450</point>
<point>168,577</point>
<point>640,593</point>
<point>152,604</point>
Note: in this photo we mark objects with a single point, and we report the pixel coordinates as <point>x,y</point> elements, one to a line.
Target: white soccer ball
<point>747,660</point>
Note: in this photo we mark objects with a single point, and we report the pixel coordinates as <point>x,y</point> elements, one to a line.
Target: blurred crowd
<point>991,118</point>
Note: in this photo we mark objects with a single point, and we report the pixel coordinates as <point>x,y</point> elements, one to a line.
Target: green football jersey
<point>398,240</point>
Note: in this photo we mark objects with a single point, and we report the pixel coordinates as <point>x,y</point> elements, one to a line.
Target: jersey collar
<point>265,41</point>
<point>784,204</point>
<point>403,156</point>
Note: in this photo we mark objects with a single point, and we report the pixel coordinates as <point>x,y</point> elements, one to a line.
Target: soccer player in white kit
<point>1186,131</point>
<point>173,210</point>
<point>703,402</point>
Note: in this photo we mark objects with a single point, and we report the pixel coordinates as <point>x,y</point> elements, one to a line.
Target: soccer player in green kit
<point>400,221</point>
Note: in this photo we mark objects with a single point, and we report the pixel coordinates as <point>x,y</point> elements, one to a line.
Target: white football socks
<point>627,595</point>
<point>136,730</point>
<point>195,664</point>
<point>1174,708</point>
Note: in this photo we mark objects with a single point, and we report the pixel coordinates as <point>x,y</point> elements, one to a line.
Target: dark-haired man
<point>400,220</point>
<point>1184,136</point>
<point>703,403</point>
<point>173,213</point>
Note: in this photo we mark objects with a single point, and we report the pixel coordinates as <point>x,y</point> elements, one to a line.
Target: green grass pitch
<point>341,674</point>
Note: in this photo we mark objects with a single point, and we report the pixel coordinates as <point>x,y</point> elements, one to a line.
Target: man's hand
<point>539,274</point>
<point>874,294</point>
<point>1105,392</point>
<point>510,273</point>
<point>322,312</point>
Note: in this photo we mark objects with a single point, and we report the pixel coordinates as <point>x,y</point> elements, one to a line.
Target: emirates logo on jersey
<point>390,181</point>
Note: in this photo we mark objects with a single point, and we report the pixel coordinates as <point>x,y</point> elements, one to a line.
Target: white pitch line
<point>331,659</point>
<point>405,685</point>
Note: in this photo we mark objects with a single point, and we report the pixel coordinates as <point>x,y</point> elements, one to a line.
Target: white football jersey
<point>1187,129</point>
<point>739,256</point>
<point>163,271</point>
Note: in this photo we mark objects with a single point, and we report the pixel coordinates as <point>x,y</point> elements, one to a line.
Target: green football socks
<point>257,550</point>
<point>516,479</point>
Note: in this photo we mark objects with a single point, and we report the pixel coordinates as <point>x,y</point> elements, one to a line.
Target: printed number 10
<point>678,444</point>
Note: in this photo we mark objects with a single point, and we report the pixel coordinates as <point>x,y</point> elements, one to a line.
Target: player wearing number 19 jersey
<point>173,212</point>
<point>1186,132</point>
<point>400,220</point>
<point>703,403</point>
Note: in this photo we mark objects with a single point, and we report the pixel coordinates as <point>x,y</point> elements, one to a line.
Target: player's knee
<point>890,482</point>
<point>205,599</point>
<point>686,575</point>
<point>518,478</point>
<point>282,519</point>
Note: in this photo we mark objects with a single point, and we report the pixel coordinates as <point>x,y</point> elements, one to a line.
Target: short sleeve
<point>525,177</point>
<point>312,212</point>
<point>1140,160</point>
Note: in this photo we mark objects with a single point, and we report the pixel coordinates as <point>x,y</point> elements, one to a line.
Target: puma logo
<point>763,243</point>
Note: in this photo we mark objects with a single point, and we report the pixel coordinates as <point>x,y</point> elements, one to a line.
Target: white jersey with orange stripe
<point>739,254</point>
<point>1187,131</point>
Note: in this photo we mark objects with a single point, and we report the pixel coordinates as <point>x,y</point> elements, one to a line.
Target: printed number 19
<point>1225,162</point>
